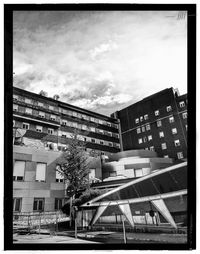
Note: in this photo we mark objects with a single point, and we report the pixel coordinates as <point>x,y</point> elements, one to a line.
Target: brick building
<point>158,123</point>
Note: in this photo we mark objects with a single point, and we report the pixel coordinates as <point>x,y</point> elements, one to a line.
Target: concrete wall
<point>126,166</point>
<point>50,189</point>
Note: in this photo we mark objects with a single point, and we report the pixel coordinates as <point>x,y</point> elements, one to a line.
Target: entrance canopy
<point>163,184</point>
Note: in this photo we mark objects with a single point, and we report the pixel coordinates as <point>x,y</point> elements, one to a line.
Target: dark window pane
<point>40,207</point>
<point>35,205</point>
<point>146,188</point>
<point>17,205</point>
<point>128,192</point>
<point>165,183</point>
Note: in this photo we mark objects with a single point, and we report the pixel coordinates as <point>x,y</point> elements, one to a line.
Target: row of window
<point>38,204</point>
<point>63,111</point>
<point>159,124</point>
<point>51,131</point>
<point>157,112</point>
<point>41,168</point>
<point>163,145</point>
<point>89,139</point>
<point>161,133</point>
<point>179,154</point>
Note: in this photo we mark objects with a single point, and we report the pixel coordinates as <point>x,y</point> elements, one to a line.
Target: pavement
<point>101,237</point>
<point>43,238</point>
<point>117,237</point>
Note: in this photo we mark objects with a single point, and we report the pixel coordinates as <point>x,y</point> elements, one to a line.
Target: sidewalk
<point>35,238</point>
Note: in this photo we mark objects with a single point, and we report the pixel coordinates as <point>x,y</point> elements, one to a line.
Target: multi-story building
<point>42,128</point>
<point>157,123</point>
<point>51,123</point>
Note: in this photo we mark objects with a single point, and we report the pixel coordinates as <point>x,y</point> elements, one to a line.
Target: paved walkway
<point>153,237</point>
<point>35,238</point>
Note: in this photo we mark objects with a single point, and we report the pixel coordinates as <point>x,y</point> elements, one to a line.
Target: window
<point>59,176</point>
<point>113,174</point>
<point>117,145</point>
<point>186,127</point>
<point>28,111</point>
<point>138,130</point>
<point>184,115</point>
<point>28,101</point>
<point>141,118</point>
<point>92,129</point>
<point>50,131</point>
<point>15,97</point>
<point>180,155</point>
<point>161,134</point>
<point>18,171</point>
<point>151,148</point>
<point>109,124</point>
<point>38,128</point>
<point>53,117</point>
<point>150,137</point>
<point>15,107</point>
<point>110,144</point>
<point>92,140</point>
<point>140,140</point>
<point>115,135</point>
<point>116,126</point>
<point>58,203</point>
<point>182,104</point>
<point>84,127</point>
<point>163,146</point>
<point>13,123</point>
<point>41,172</point>
<point>17,203</point>
<point>38,204</point>
<point>25,126</point>
<point>177,142</point>
<point>174,131</point>
<point>159,123</point>
<point>138,172</point>
<point>171,119</point>
<point>109,133</point>
<point>101,142</point>
<point>145,139</point>
<point>169,108</point>
<point>143,128</point>
<point>137,120</point>
<point>51,107</point>
<point>41,114</point>
<point>148,127</point>
<point>146,117</point>
<point>92,119</point>
<point>75,125</point>
<point>40,104</point>
<point>157,113</point>
<point>74,114</point>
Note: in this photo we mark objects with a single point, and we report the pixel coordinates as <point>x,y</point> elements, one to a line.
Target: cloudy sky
<point>102,60</point>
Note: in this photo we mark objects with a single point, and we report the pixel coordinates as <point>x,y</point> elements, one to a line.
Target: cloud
<point>100,60</point>
<point>103,48</point>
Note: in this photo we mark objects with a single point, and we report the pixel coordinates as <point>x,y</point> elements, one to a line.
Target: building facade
<point>157,123</point>
<point>42,128</point>
<point>51,123</point>
<point>37,186</point>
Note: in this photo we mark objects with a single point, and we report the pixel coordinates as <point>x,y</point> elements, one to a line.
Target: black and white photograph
<point>97,103</point>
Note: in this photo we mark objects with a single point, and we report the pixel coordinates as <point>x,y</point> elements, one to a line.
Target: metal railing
<point>28,221</point>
